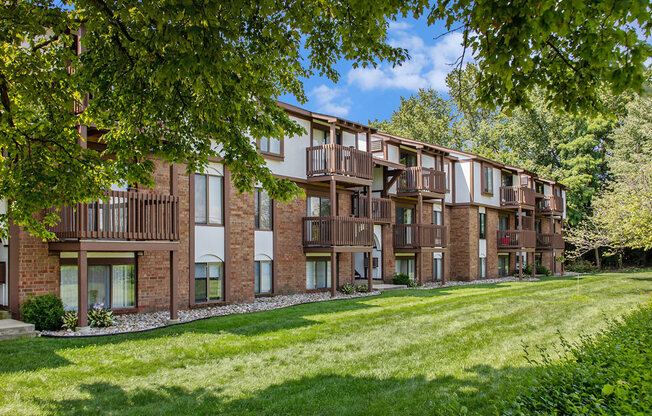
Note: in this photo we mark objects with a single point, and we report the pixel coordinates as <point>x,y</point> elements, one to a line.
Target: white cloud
<point>427,67</point>
<point>331,101</point>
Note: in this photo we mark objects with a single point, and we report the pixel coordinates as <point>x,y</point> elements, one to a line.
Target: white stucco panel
<point>209,243</point>
<point>264,245</point>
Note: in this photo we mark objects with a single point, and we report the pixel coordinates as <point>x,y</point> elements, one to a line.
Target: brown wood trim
<point>105,245</point>
<point>14,248</point>
<point>482,180</point>
<point>191,239</point>
<point>227,234</point>
<point>274,246</point>
<point>93,261</point>
<point>272,156</point>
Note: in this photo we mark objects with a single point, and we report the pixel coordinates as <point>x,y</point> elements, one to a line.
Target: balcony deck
<point>122,215</point>
<point>380,207</point>
<point>550,204</point>
<point>419,236</point>
<point>517,196</point>
<point>428,182</point>
<point>515,240</point>
<point>548,241</point>
<point>328,234</point>
<point>346,164</point>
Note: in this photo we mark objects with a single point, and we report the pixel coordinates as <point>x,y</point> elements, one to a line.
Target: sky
<point>364,94</point>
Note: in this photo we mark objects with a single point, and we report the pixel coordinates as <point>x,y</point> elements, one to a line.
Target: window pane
<point>263,220</point>
<point>201,281</point>
<point>310,275</point>
<point>69,287</point>
<point>264,144</point>
<point>98,286</point>
<point>256,277</point>
<point>215,194</point>
<point>200,198</point>
<point>321,274</point>
<point>215,288</point>
<point>265,277</point>
<point>275,146</point>
<point>325,206</point>
<point>124,286</point>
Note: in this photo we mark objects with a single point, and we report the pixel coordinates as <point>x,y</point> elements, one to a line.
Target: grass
<point>442,351</point>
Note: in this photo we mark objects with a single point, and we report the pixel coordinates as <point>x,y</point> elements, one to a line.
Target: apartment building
<point>376,204</point>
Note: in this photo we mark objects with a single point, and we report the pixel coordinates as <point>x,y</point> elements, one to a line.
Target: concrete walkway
<point>13,329</point>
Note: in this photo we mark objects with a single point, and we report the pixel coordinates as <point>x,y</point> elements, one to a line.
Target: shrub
<point>362,288</point>
<point>541,269</point>
<point>70,320</point>
<point>582,266</point>
<point>401,279</point>
<point>44,311</point>
<point>606,374</point>
<point>413,283</point>
<point>348,288</point>
<point>100,317</point>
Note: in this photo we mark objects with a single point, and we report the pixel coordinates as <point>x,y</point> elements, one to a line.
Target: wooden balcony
<point>414,236</point>
<point>516,239</point>
<point>418,179</point>
<point>550,204</point>
<point>122,215</point>
<point>380,207</point>
<point>515,196</point>
<point>334,159</point>
<point>337,231</point>
<point>547,241</point>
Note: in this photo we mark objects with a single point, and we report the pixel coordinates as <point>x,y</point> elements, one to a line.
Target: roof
<point>326,118</point>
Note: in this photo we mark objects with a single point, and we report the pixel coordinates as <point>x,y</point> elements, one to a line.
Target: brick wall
<point>464,243</point>
<point>290,259</point>
<point>241,246</point>
<point>492,243</point>
<point>38,271</point>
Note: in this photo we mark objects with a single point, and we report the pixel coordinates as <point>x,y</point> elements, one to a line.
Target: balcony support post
<point>520,265</point>
<point>333,273</point>
<point>333,197</point>
<point>332,149</point>
<point>82,287</point>
<point>371,219</point>
<point>174,285</point>
<point>444,240</point>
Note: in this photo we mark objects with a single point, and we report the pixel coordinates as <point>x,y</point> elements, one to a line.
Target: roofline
<point>326,117</point>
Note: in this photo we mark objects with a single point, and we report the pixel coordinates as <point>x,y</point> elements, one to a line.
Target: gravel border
<point>142,322</point>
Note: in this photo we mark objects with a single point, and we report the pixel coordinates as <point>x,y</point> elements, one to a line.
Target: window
<point>487,180</point>
<point>503,264</point>
<point>537,226</point>
<point>436,217</point>
<point>319,206</point>
<point>405,265</point>
<point>503,223</point>
<point>113,286</point>
<point>483,267</point>
<point>270,145</point>
<point>507,179</point>
<point>483,225</point>
<point>318,274</point>
<point>437,268</point>
<point>322,137</point>
<point>263,277</point>
<point>409,159</point>
<point>208,199</point>
<point>404,215</point>
<point>208,281</point>
<point>263,215</point>
<point>540,188</point>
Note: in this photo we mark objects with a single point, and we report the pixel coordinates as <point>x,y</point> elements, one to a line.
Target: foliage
<point>606,374</point>
<point>401,279</point>
<point>99,316</point>
<point>70,320</point>
<point>202,76</point>
<point>567,49</point>
<point>347,288</point>
<point>541,269</point>
<point>581,266</point>
<point>362,288</point>
<point>44,311</point>
<point>413,283</point>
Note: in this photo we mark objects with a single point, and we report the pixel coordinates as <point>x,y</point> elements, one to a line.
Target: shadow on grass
<point>479,390</point>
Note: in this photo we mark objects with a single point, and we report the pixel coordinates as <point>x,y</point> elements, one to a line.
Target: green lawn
<point>405,352</point>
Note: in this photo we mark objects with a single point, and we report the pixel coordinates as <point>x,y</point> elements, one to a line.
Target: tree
<point>569,50</point>
<point>169,80</point>
<point>425,116</point>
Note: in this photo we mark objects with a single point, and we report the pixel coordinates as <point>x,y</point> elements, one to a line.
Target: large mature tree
<point>168,78</point>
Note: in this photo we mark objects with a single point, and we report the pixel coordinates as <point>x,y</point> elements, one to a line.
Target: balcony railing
<point>550,241</point>
<point>122,215</point>
<point>337,231</point>
<point>335,159</point>
<point>380,207</point>
<point>513,196</point>
<point>419,235</point>
<point>416,179</point>
<point>550,203</point>
<point>515,239</point>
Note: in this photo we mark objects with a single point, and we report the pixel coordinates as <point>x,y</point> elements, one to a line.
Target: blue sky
<point>364,94</point>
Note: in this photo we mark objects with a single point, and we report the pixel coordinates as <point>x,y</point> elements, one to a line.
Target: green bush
<point>606,374</point>
<point>582,266</point>
<point>348,288</point>
<point>70,320</point>
<point>44,311</point>
<point>527,270</point>
<point>401,279</point>
<point>362,288</point>
<point>413,283</point>
<point>99,317</point>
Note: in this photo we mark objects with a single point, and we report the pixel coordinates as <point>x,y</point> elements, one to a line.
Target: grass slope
<point>405,352</point>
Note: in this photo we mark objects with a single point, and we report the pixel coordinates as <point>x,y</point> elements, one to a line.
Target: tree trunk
<point>597,258</point>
